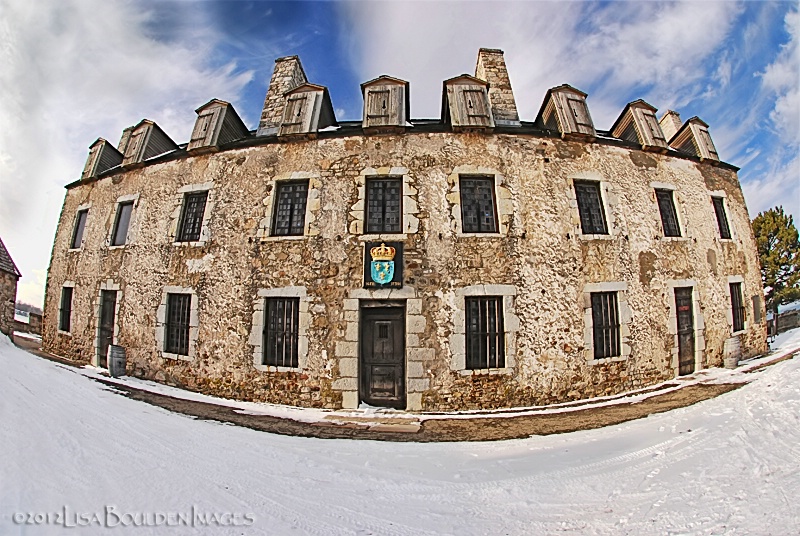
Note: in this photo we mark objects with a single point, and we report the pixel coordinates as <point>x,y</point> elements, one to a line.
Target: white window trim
<point>458,336</point>
<point>257,329</point>
<point>70,284</point>
<point>677,201</point>
<point>729,313</point>
<point>607,197</point>
<point>504,204</point>
<point>410,204</point>
<point>625,317</point>
<point>725,206</point>
<point>108,284</point>
<point>175,217</point>
<point>310,226</point>
<point>161,323</point>
<point>87,207</point>
<point>699,323</point>
<point>130,236</point>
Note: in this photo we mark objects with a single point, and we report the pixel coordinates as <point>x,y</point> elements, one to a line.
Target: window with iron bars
<point>590,207</point>
<point>669,216</point>
<point>605,325</point>
<point>384,205</point>
<point>194,206</point>
<point>737,307</point>
<point>485,332</point>
<point>281,332</point>
<point>722,218</point>
<point>477,205</point>
<point>289,215</point>
<point>65,311</point>
<point>176,339</point>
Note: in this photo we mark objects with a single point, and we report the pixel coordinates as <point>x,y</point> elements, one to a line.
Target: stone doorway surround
<point>347,349</point>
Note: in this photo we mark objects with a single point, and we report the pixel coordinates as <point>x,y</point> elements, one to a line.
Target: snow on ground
<point>73,452</point>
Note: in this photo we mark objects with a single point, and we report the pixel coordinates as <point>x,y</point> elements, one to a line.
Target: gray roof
<point>6,263</point>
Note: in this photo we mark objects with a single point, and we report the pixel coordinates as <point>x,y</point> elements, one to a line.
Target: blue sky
<point>76,70</point>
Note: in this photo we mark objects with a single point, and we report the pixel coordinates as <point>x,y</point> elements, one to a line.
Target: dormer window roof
<point>307,110</point>
<point>465,103</point>
<point>564,110</point>
<point>638,124</point>
<point>386,104</point>
<point>693,138</point>
<point>217,124</point>
<point>102,157</point>
<point>146,141</point>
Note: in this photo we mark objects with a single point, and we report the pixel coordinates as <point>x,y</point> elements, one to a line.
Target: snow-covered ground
<point>73,452</point>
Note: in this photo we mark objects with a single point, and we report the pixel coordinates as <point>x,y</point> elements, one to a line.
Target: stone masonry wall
<point>8,296</point>
<point>542,256</point>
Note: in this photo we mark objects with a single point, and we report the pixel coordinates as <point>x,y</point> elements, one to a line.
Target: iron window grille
<point>281,332</point>
<point>121,223</point>
<point>384,200</point>
<point>80,225</point>
<point>65,310</point>
<point>737,307</point>
<point>478,205</point>
<point>485,333</point>
<point>590,207</point>
<point>605,325</point>
<point>669,216</point>
<point>194,206</point>
<point>289,217</point>
<point>176,340</point>
<point>722,218</point>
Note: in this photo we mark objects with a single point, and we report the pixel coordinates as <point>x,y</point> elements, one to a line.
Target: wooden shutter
<point>203,133</point>
<point>91,161</point>
<point>655,129</point>
<point>378,106</point>
<point>705,139</point>
<point>475,106</point>
<point>580,113</point>
<point>297,114</point>
<point>132,154</point>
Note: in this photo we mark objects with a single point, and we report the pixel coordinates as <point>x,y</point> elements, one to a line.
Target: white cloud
<point>782,77</point>
<point>778,186</point>
<point>75,71</point>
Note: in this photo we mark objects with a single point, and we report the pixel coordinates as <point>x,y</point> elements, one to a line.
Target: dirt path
<point>431,430</point>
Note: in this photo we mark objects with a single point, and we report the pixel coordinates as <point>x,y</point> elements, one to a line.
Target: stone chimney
<point>670,123</point>
<point>288,74</point>
<point>491,67</point>
<point>123,141</point>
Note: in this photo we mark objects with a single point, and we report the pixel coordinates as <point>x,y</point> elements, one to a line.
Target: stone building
<point>9,275</point>
<point>475,260</point>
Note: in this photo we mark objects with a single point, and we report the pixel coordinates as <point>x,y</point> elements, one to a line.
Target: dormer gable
<point>102,157</point>
<point>147,140</point>
<point>465,103</point>
<point>307,109</point>
<point>564,110</point>
<point>693,139</point>
<point>217,124</point>
<point>638,124</point>
<point>386,104</point>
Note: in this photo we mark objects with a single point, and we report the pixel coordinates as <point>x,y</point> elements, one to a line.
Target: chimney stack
<point>491,67</point>
<point>288,74</point>
<point>670,123</point>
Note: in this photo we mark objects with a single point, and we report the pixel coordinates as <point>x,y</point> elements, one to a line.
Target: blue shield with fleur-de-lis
<point>382,271</point>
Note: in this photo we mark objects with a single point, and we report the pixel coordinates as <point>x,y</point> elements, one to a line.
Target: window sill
<point>120,246</point>
<point>277,238</point>
<point>64,333</point>
<point>271,368</point>
<point>177,357</point>
<point>614,359</point>
<point>480,235</point>
<point>596,236</point>
<point>486,372</point>
<point>198,243</point>
<point>74,249</point>
<point>389,237</point>
<point>674,239</point>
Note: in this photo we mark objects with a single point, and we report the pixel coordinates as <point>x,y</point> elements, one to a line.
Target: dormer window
<point>638,124</point>
<point>217,124</point>
<point>102,157</point>
<point>386,104</point>
<point>465,103</point>
<point>146,141</point>
<point>307,109</point>
<point>693,139</point>
<point>564,110</point>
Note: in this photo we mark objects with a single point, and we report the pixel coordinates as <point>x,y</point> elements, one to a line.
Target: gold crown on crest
<point>382,253</point>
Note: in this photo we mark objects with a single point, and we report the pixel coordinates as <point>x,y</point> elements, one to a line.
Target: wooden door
<point>684,308</point>
<point>105,331</point>
<point>383,359</point>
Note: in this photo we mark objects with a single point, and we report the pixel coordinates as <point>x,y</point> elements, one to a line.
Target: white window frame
<point>177,212</point>
<point>729,312</point>
<point>310,225</point>
<point>131,234</point>
<point>257,328</point>
<point>69,284</point>
<point>503,198</point>
<point>161,323</point>
<point>624,314</point>
<point>607,197</point>
<point>87,207</point>
<point>410,208</point>
<point>677,200</point>
<point>731,227</point>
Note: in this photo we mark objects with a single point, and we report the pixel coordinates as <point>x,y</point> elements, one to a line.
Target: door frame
<point>690,292</point>
<point>114,287</point>
<point>699,324</point>
<point>395,307</point>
